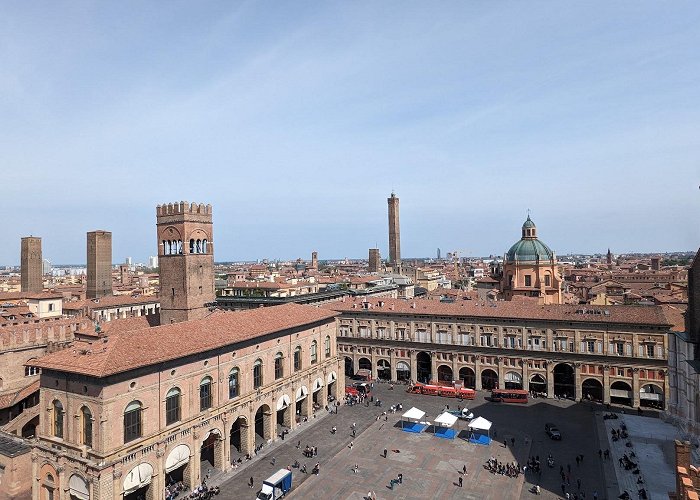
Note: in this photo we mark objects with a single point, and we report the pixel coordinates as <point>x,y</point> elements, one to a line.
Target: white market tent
<point>412,414</point>
<point>445,420</point>
<point>480,423</point>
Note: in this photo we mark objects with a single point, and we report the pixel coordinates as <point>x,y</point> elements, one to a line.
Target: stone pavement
<point>430,465</point>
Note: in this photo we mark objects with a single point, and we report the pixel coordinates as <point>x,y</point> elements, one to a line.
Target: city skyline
<point>296,123</point>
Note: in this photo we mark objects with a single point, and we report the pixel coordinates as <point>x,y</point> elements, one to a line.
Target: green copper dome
<point>529,249</point>
<point>528,223</point>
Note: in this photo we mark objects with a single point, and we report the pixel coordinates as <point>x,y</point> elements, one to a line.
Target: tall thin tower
<point>394,233</point>
<point>31,278</point>
<point>99,264</point>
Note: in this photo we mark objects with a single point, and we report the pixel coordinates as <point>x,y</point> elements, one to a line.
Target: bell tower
<point>186,259</point>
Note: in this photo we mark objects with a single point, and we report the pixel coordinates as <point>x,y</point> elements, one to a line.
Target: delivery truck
<point>276,486</point>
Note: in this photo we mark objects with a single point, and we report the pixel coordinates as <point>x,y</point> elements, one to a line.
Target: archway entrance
<point>176,465</point>
<point>592,390</point>
<point>538,385</point>
<point>489,379</point>
<point>564,380</point>
<point>621,393</point>
<point>317,391</point>
<point>365,364</point>
<point>29,429</point>
<point>208,453</point>
<point>513,380</point>
<point>137,483</point>
<point>651,396</point>
<point>331,379</point>
<point>263,427</point>
<point>238,436</point>
<point>301,406</point>
<point>423,367</point>
<point>349,367</point>
<point>444,373</point>
<point>284,414</point>
<point>383,370</point>
<point>403,371</point>
<point>466,375</point>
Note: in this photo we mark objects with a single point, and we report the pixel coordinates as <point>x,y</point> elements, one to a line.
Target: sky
<point>296,120</point>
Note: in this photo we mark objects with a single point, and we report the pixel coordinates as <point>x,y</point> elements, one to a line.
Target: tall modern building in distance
<point>31,265</point>
<point>186,258</point>
<point>394,233</point>
<point>99,264</point>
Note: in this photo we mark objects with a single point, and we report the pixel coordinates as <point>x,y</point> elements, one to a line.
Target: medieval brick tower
<point>31,272</point>
<point>186,259</point>
<point>394,234</point>
<point>375,260</point>
<point>99,264</point>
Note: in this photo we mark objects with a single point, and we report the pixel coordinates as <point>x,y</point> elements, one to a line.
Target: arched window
<point>173,247</point>
<point>31,370</point>
<point>57,419</point>
<point>86,416</point>
<point>297,358</point>
<point>132,421</point>
<point>204,246</point>
<point>257,374</point>
<point>191,246</point>
<point>233,384</point>
<point>314,353</point>
<point>165,247</point>
<point>199,246</point>
<point>279,365</point>
<point>327,347</point>
<point>205,394</point>
<point>179,247</point>
<point>547,280</point>
<point>172,406</point>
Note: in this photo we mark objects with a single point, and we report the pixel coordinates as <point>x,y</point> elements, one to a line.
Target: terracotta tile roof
<point>675,315</point>
<point>110,301</point>
<point>126,351</point>
<point>647,315</point>
<point>12,398</point>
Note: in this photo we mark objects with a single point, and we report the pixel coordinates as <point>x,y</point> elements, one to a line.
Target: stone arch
<point>621,393</point>
<point>349,367</point>
<point>592,389</point>
<point>211,451</point>
<point>651,395</point>
<point>444,373</point>
<point>403,371</point>
<point>512,380</point>
<point>538,384</point>
<point>263,424</point>
<point>238,437</point>
<point>564,380</point>
<point>383,369</point>
<point>137,482</point>
<point>423,366</point>
<point>364,364</point>
<point>50,484</point>
<point>178,465</point>
<point>284,413</point>
<point>489,379</point>
<point>467,376</point>
<point>78,487</point>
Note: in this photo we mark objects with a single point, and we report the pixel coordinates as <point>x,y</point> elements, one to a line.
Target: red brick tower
<point>186,259</point>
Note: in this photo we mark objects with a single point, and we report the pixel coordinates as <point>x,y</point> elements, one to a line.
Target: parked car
<point>552,431</point>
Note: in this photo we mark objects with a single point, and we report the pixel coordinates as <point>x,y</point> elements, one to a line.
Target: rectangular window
<point>591,346</point>
<point>528,280</point>
<point>132,425</point>
<point>620,348</point>
<point>172,409</point>
<point>381,332</point>
<point>547,280</point>
<point>205,396</point>
<point>314,355</point>
<point>278,368</point>
<point>401,334</point>
<point>297,360</point>
<point>650,350</point>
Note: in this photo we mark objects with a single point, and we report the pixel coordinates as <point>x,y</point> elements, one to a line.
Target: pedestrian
<point>315,451</point>
<point>460,481</point>
<point>578,483</point>
<point>298,444</point>
<point>464,469</point>
<point>600,454</point>
<point>400,478</point>
<point>273,460</point>
<point>563,489</point>
<point>512,441</point>
<point>505,443</point>
<point>385,452</point>
<point>350,445</point>
<point>251,482</point>
<point>353,433</point>
<point>595,495</point>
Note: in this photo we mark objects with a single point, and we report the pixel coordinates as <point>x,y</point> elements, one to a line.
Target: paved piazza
<point>431,466</point>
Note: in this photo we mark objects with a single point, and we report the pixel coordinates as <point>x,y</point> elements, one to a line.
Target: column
<point>373,359</point>
<point>577,381</point>
<point>635,388</point>
<point>414,365</point>
<point>477,373</point>
<point>412,333</point>
<point>392,358</point>
<point>501,373</point>
<point>433,365</point>
<point>667,390</point>
<point>433,333</point>
<point>455,366</point>
<point>606,384</point>
<point>195,458</point>
<point>550,379</point>
<point>525,375</point>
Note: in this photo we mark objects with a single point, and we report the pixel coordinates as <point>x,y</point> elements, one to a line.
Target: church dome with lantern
<point>529,248</point>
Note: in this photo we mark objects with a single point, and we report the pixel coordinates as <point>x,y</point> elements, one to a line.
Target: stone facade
<point>99,264</point>
<point>581,353</point>
<point>186,258</point>
<point>31,270</point>
<point>375,260</point>
<point>202,436</point>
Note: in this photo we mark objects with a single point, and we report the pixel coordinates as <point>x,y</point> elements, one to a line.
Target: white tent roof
<point>445,420</point>
<point>178,457</point>
<point>79,488</point>
<point>414,414</point>
<point>480,423</point>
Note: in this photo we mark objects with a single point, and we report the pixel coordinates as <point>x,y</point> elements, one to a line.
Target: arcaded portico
<point>607,354</point>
